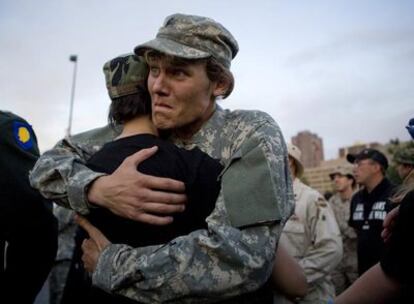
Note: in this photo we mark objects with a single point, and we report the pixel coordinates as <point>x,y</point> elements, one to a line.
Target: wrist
<point>93,191</point>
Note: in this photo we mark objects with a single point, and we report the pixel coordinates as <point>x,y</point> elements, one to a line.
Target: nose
<point>158,84</point>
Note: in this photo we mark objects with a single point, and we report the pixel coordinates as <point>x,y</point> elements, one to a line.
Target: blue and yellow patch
<point>23,134</point>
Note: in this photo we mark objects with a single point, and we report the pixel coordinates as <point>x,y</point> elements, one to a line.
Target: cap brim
<point>332,175</point>
<point>351,158</point>
<point>171,47</point>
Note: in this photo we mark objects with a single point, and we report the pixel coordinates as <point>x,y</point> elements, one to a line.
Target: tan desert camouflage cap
<point>342,170</point>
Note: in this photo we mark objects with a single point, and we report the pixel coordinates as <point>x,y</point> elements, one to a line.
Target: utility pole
<point>74,59</point>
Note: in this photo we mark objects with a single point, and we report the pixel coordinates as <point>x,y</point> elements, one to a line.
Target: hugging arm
<point>62,175</point>
<point>228,259</point>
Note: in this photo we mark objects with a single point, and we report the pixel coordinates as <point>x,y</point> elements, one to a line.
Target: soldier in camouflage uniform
<point>347,271</point>
<point>66,244</point>
<point>312,236</point>
<point>404,158</point>
<point>234,256</point>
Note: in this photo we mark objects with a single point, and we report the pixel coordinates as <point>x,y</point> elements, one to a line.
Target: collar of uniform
<point>211,127</point>
<point>298,187</point>
<point>378,191</point>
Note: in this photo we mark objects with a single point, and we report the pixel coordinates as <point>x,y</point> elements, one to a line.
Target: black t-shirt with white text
<point>368,210</point>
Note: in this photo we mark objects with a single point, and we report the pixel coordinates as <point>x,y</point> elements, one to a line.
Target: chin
<point>161,123</point>
<point>163,126</point>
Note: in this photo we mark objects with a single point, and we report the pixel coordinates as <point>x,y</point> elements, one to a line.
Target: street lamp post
<point>74,59</point>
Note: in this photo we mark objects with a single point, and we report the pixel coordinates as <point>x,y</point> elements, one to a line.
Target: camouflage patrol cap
<point>342,170</point>
<point>125,75</point>
<point>405,156</point>
<point>193,37</point>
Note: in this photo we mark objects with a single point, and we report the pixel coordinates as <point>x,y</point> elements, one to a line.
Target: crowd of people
<point>178,200</point>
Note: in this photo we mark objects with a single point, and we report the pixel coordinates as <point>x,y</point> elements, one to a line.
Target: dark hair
<point>125,108</point>
<point>215,71</point>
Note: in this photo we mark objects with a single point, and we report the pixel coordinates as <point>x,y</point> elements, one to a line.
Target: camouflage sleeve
<point>66,232</point>
<point>263,191</point>
<point>326,250</point>
<point>60,173</point>
<point>205,265</point>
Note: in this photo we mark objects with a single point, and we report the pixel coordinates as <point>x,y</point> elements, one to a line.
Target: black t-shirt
<point>397,261</point>
<point>368,211</point>
<point>196,169</point>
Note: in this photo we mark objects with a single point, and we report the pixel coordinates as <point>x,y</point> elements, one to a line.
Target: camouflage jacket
<point>60,173</point>
<point>67,231</point>
<point>312,236</point>
<point>235,254</point>
<point>342,210</point>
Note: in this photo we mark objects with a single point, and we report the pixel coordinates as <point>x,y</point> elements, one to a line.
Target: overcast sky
<point>341,69</point>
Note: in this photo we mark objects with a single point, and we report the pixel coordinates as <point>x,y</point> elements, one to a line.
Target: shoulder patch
<point>23,135</point>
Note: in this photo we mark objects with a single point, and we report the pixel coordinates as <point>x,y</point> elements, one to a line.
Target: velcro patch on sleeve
<point>248,190</point>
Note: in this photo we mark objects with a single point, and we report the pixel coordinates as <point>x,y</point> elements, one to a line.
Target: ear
<point>377,167</point>
<point>220,88</point>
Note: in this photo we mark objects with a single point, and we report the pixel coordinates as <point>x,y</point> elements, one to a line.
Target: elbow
<point>301,288</point>
<point>294,289</point>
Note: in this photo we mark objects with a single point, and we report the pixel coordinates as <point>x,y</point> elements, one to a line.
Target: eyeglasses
<point>362,163</point>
